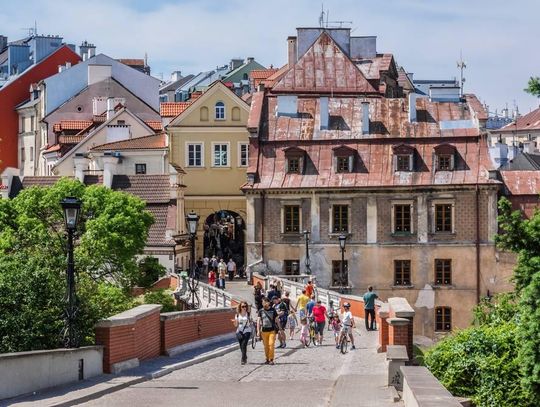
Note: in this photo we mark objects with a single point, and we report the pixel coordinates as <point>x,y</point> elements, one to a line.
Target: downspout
<point>263,209</point>
<point>477,244</point>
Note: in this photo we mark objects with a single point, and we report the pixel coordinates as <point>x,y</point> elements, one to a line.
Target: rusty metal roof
<point>531,121</point>
<point>326,69</point>
<point>522,182</point>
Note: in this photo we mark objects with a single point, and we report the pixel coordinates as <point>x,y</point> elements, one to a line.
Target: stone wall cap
<point>130,316</point>
<point>401,307</point>
<point>384,310</point>
<point>15,355</point>
<point>396,352</point>
<point>167,316</point>
<point>397,321</point>
<point>426,389</point>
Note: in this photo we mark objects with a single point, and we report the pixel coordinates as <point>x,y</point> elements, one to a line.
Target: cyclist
<point>347,325</point>
<point>301,303</point>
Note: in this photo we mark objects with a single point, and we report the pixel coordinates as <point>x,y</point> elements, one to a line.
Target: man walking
<point>369,308</point>
<point>231,269</point>
<point>222,272</point>
<point>267,325</point>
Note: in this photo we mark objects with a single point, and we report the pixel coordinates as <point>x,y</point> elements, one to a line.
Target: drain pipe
<point>263,210</point>
<point>477,244</point>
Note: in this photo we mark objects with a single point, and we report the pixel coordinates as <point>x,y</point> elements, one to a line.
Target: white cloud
<point>425,36</point>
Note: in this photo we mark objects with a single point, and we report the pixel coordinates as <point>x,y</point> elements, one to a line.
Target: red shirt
<point>319,313</point>
<point>309,290</point>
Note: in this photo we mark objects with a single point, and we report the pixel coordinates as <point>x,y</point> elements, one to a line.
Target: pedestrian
<point>222,273</point>
<point>288,302</point>
<point>271,293</point>
<point>335,324</point>
<point>369,308</point>
<point>258,295</point>
<point>347,324</point>
<point>242,322</point>
<point>319,315</point>
<point>200,264</point>
<point>283,314</point>
<point>267,324</point>
<point>231,269</point>
<point>301,303</point>
<point>212,278</point>
<point>279,287</point>
<point>331,310</point>
<point>309,288</point>
<point>310,305</point>
<point>304,332</point>
<point>206,262</point>
<point>292,322</point>
<point>214,263</point>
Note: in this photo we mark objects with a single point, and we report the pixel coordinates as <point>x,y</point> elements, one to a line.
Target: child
<point>336,327</point>
<point>304,332</point>
<point>292,322</point>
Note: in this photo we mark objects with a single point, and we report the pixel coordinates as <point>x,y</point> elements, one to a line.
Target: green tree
<point>160,297</point>
<point>149,271</point>
<point>112,231</point>
<point>533,86</point>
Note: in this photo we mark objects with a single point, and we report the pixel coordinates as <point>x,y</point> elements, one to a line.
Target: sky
<point>499,39</point>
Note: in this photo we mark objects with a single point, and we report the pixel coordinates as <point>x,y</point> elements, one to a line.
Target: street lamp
<point>72,209</point>
<point>306,234</point>
<point>342,242</point>
<point>192,221</point>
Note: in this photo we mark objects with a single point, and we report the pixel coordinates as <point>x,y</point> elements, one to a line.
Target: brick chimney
<point>292,51</point>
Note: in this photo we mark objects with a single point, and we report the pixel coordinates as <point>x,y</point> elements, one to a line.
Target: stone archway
<point>224,236</point>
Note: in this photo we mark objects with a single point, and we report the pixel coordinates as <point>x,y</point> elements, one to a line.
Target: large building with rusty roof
<point>339,147</point>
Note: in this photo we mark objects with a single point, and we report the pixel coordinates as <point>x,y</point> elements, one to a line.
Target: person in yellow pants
<point>267,324</point>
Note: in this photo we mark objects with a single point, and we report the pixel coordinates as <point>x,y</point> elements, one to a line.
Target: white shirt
<point>231,266</point>
<point>347,318</point>
<point>244,325</point>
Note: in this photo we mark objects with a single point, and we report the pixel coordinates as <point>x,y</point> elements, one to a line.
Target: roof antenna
<point>461,65</point>
<point>321,16</point>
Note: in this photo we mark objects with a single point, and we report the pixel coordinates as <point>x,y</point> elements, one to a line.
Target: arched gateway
<point>224,236</point>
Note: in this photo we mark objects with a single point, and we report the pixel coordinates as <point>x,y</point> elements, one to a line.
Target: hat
<point>346,305</point>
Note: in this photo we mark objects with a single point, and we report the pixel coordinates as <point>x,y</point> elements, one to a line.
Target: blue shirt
<point>369,300</point>
<point>309,306</point>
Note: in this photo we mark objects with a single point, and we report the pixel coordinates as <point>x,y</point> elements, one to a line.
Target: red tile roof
<point>71,125</point>
<point>324,68</point>
<point>140,143</point>
<point>53,148</point>
<point>155,124</point>
<point>271,80</point>
<point>132,61</point>
<point>63,139</point>
<point>172,109</point>
<point>531,121</point>
<point>522,182</point>
<point>262,73</point>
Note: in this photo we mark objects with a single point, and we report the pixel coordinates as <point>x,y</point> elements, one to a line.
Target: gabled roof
<point>158,141</point>
<point>531,121</point>
<point>324,68</point>
<point>172,109</point>
<point>523,162</point>
<point>522,182</point>
<point>71,125</point>
<point>176,84</point>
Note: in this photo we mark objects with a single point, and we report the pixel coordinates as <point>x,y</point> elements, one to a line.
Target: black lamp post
<point>342,241</point>
<point>72,208</point>
<point>192,221</point>
<point>306,234</point>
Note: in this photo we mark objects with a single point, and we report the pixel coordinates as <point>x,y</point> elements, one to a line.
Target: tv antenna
<point>326,24</point>
<point>31,30</point>
<point>461,66</point>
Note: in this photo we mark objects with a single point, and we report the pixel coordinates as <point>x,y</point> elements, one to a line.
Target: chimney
<point>81,166</point>
<point>250,59</point>
<point>176,76</point>
<point>84,56</point>
<point>412,107</point>
<point>365,117</point>
<point>292,51</point>
<point>324,112</point>
<point>91,52</point>
<point>110,108</point>
<point>68,65</point>
<point>109,169</point>
<point>60,68</point>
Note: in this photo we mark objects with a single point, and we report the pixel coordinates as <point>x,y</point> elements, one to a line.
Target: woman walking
<point>258,295</point>
<point>242,321</point>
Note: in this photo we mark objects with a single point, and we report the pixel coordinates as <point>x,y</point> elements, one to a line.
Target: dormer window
<point>294,160</point>
<point>403,158</point>
<point>444,157</point>
<point>344,159</point>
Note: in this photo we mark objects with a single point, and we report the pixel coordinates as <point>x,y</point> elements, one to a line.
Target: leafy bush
<point>160,297</point>
<point>150,271</point>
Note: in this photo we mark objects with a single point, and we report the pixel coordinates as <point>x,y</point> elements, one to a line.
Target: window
<point>236,114</point>
<point>340,218</point>
<point>220,111</point>
<point>221,155</point>
<point>23,157</point>
<point>444,157</point>
<point>291,219</point>
<point>293,165</point>
<point>204,114</point>
<point>443,217</point>
<point>337,279</point>
<point>243,151</point>
<point>140,168</point>
<point>344,159</point>
<point>121,122</point>
<point>402,218</point>
<point>342,164</point>
<point>403,162</point>
<point>402,272</point>
<point>31,154</point>
<point>443,271</point>
<point>443,319</point>
<point>195,155</point>
<point>291,267</point>
<point>445,162</point>
<point>31,123</point>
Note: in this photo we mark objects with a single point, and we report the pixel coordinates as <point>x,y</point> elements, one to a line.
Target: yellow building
<point>210,141</point>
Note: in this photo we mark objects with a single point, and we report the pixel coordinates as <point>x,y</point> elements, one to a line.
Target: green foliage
<point>499,310</point>
<point>533,86</point>
<point>149,271</point>
<point>160,297</point>
<point>112,231</point>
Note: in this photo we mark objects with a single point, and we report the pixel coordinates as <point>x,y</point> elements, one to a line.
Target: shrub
<point>149,271</point>
<point>160,297</point>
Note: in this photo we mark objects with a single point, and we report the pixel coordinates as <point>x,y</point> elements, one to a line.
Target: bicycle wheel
<point>343,345</point>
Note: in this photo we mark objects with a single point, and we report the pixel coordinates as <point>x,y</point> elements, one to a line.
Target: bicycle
<point>312,332</point>
<point>344,340</point>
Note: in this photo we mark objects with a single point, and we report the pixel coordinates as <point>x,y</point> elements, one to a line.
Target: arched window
<point>236,114</point>
<point>220,111</point>
<point>204,114</point>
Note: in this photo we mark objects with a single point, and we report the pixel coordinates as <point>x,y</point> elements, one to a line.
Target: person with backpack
<point>267,326</point>
<point>283,313</point>
<point>242,322</point>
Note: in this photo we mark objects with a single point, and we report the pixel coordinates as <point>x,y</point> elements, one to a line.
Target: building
<point>406,179</point>
<point>15,90</point>
<point>167,91</point>
<point>238,78</point>
<point>140,65</point>
<point>208,138</point>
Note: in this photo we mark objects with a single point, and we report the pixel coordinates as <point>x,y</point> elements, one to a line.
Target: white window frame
<point>221,143</point>
<point>395,164</point>
<point>240,145</point>
<point>434,202</point>
<point>331,216</point>
<point>140,173</point>
<point>402,202</point>
<point>291,202</point>
<point>188,143</point>
<point>220,107</point>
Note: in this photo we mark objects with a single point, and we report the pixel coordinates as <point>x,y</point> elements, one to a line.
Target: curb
<point>153,375</point>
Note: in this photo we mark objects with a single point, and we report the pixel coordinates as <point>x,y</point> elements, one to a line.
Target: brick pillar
<point>382,324</point>
<point>399,330</point>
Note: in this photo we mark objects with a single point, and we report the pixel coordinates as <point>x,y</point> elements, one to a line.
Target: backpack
<point>267,319</point>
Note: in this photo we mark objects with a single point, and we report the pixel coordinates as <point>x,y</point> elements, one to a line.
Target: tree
<point>533,86</point>
<point>149,271</point>
<point>160,297</point>
<point>112,231</point>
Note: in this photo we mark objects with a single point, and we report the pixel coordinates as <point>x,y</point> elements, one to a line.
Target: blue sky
<point>499,39</point>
